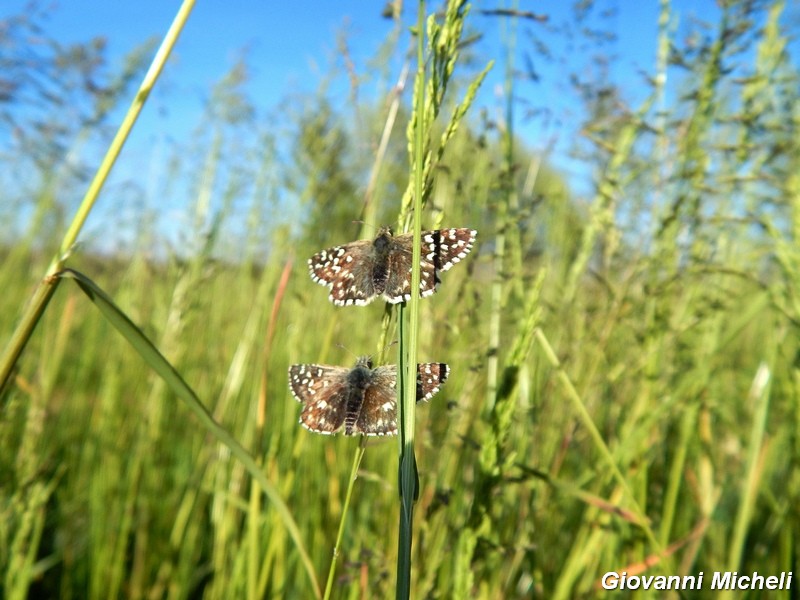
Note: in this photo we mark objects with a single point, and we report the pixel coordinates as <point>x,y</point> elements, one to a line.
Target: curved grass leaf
<point>155,360</point>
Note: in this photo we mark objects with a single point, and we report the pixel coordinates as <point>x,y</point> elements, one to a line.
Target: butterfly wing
<point>441,249</point>
<point>398,279</point>
<point>322,390</point>
<point>347,271</point>
<point>379,410</point>
<point>430,377</point>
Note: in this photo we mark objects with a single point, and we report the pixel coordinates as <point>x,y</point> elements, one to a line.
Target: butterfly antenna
<point>367,226</point>
<point>350,352</point>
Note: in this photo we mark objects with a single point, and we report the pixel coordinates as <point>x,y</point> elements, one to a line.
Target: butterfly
<point>360,271</point>
<point>361,400</point>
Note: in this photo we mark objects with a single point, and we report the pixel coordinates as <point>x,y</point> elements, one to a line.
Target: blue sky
<point>290,42</point>
<point>289,46</point>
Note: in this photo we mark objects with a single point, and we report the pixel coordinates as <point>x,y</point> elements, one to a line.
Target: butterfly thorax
<point>382,246</point>
<point>358,378</point>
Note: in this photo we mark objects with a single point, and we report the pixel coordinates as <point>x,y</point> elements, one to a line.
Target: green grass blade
<point>759,397</point>
<point>343,521</point>
<point>156,361</point>
<point>407,368</point>
<point>47,286</point>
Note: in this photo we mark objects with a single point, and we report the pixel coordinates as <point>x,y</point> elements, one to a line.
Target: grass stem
<point>340,533</point>
<point>407,368</point>
<point>47,286</point>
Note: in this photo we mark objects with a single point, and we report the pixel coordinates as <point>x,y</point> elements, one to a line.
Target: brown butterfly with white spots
<point>361,400</point>
<point>360,271</point>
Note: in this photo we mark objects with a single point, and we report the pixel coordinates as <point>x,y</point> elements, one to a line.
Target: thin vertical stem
<point>407,369</point>
<point>47,286</point>
<point>340,534</point>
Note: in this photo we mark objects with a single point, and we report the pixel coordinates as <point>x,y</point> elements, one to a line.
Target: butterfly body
<point>358,272</point>
<point>381,263</point>
<point>361,400</point>
<point>358,380</point>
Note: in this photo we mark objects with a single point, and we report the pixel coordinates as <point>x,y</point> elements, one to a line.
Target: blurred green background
<point>623,340</point>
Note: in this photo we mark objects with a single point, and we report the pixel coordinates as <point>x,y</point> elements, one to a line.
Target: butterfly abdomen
<point>358,379</point>
<point>354,403</point>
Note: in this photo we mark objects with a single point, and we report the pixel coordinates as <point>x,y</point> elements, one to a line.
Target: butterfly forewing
<point>446,247</point>
<point>430,377</point>
<point>440,250</point>
<point>379,409</point>
<point>398,279</point>
<point>347,271</point>
<point>320,389</point>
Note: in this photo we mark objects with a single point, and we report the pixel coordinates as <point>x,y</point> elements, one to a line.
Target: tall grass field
<point>623,403</point>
